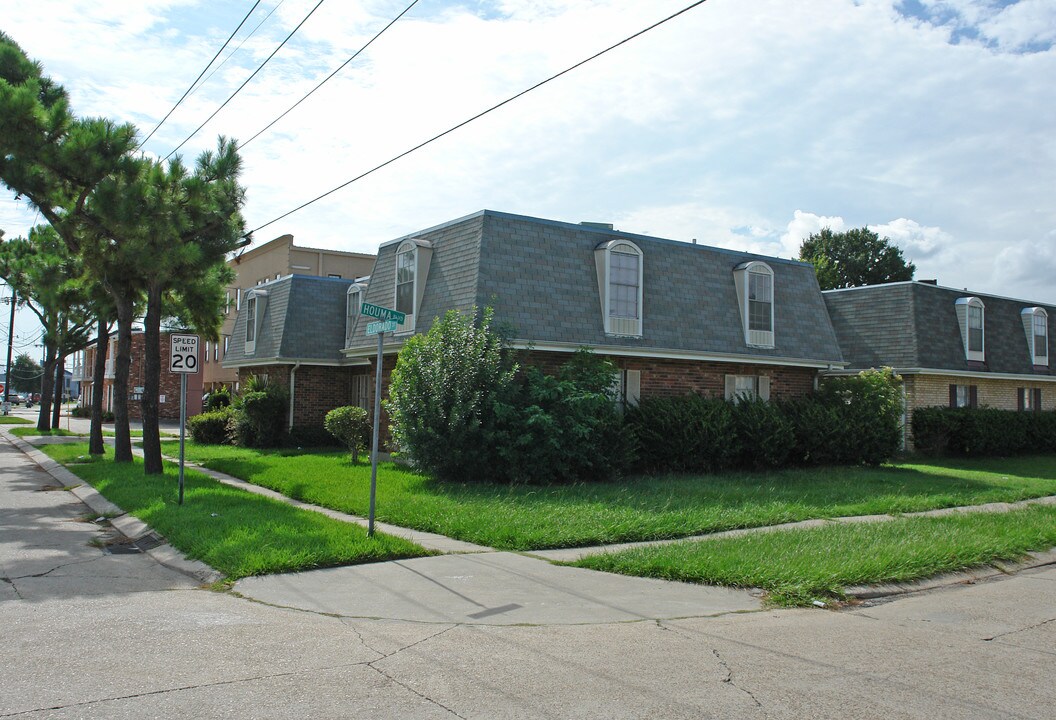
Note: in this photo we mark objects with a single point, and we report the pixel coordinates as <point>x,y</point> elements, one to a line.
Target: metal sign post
<point>183,359</point>
<point>388,320</point>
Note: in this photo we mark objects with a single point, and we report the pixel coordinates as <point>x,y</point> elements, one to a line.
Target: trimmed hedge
<point>210,428</point>
<point>980,432</point>
<point>850,421</point>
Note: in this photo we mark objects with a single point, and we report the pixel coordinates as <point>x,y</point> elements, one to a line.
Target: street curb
<point>996,570</point>
<point>131,527</point>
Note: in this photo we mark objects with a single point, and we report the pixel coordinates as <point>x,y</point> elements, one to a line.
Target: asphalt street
<point>87,634</point>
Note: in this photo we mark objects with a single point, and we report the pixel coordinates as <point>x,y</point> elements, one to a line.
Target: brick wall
<point>169,390</point>
<point>317,389</point>
<point>671,378</point>
<point>934,391</point>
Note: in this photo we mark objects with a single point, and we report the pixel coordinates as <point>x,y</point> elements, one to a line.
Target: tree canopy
<point>854,258</point>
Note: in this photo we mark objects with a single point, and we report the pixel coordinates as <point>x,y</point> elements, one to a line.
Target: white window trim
<point>618,326</point>
<point>1029,315</point>
<point>260,298</point>
<point>351,317</point>
<point>964,318</point>
<point>423,253</point>
<point>760,387</point>
<point>755,338</point>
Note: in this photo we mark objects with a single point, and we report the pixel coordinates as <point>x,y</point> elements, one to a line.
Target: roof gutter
<point>1024,377</point>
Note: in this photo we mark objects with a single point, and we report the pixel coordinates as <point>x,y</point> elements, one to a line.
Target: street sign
<point>382,326</point>
<point>382,313</point>
<point>183,354</point>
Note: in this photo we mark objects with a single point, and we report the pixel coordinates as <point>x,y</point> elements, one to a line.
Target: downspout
<point>293,379</point>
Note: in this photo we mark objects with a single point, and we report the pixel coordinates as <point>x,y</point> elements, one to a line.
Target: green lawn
<point>234,531</point>
<point>59,432</point>
<point>798,566</point>
<point>14,420</point>
<point>637,508</point>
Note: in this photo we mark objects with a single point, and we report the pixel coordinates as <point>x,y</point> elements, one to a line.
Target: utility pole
<point>10,346</point>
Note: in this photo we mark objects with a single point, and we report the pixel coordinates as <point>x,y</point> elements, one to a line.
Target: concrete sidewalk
<point>475,585</point>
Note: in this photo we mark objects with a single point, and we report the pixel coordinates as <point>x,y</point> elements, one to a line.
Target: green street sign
<point>382,326</point>
<point>382,313</point>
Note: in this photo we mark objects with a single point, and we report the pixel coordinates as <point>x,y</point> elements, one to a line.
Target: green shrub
<point>764,434</point>
<point>443,396</point>
<point>564,428</point>
<point>260,418</point>
<point>210,428</point>
<point>690,433</point>
<point>982,432</point>
<point>869,410</point>
<point>350,426</point>
<point>81,411</point>
<point>218,399</point>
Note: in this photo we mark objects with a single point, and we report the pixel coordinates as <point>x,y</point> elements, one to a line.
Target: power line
<point>479,115</point>
<point>327,78</point>
<point>236,92</point>
<point>235,51</point>
<point>191,87</point>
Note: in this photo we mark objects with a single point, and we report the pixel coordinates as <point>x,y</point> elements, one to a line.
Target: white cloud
<point>1024,23</point>
<point>803,225</point>
<point>917,241</point>
<point>720,125</point>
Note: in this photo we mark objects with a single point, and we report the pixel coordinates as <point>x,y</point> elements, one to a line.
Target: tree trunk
<point>102,346</point>
<point>122,435</point>
<point>152,463</point>
<point>46,380</point>
<point>60,387</point>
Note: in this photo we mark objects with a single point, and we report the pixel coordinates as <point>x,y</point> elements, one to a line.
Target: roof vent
<point>929,282</point>
<point>598,225</point>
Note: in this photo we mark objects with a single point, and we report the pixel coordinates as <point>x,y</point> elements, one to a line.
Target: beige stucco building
<point>272,260</point>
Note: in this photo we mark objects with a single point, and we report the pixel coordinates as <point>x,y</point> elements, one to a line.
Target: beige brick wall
<point>934,391</point>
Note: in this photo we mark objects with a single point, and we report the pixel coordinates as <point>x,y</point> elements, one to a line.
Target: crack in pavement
<point>11,582</point>
<point>1019,630</point>
<point>402,684</point>
<point>729,678</point>
<point>59,567</point>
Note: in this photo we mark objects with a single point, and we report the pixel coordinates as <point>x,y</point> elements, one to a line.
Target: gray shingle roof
<point>303,319</point>
<point>915,325</point>
<point>540,277</point>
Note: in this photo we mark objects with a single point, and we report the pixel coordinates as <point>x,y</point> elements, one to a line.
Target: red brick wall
<point>317,389</point>
<point>169,387</point>
<point>668,378</point>
<point>321,389</point>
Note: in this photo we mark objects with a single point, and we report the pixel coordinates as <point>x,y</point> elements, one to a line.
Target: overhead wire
<point>328,77</point>
<point>238,47</point>
<point>247,80</point>
<point>191,86</point>
<point>479,115</point>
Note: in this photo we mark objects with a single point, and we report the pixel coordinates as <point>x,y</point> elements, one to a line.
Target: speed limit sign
<point>183,354</point>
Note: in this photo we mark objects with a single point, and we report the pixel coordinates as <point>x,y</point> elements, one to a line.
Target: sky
<point>745,124</point>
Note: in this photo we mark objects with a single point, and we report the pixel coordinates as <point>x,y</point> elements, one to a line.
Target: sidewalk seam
<point>128,525</point>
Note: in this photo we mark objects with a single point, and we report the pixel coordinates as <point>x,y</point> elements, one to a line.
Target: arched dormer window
<point>412,271</point>
<point>620,271</point>
<point>971,316</point>
<point>256,301</point>
<point>353,302</point>
<point>754,281</point>
<point>1036,326</point>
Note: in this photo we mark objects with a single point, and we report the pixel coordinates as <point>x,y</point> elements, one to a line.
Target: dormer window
<point>754,282</point>
<point>1036,326</point>
<point>620,270</point>
<point>971,315</point>
<point>256,301</point>
<point>412,270</point>
<point>354,301</point>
